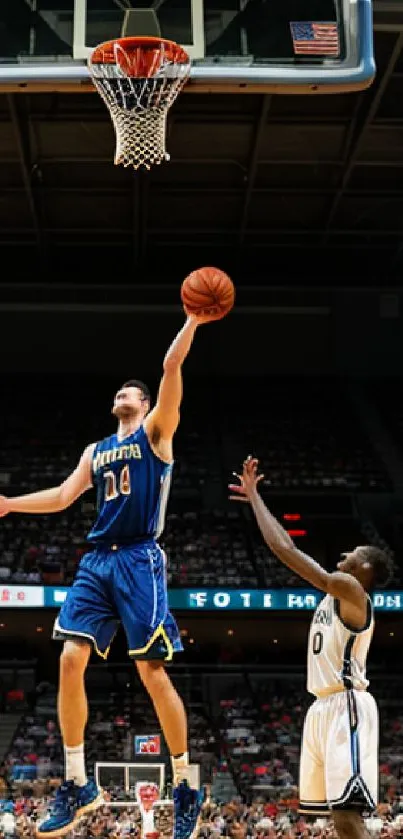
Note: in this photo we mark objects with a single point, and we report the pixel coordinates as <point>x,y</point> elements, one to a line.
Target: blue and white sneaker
<point>89,798</point>
<point>71,802</point>
<point>188,803</point>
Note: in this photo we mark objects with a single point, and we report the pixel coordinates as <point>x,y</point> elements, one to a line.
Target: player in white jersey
<point>339,758</point>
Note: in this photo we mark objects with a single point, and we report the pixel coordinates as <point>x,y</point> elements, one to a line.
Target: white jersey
<point>337,653</point>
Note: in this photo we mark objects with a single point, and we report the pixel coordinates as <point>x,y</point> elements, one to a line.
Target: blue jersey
<point>132,486</point>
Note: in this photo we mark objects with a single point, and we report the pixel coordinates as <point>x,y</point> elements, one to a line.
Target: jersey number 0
<point>317,643</point>
<point>117,484</point>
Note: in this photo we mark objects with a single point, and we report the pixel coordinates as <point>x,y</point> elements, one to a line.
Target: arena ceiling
<point>273,188</point>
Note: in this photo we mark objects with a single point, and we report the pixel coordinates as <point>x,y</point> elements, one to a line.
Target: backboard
<point>125,776</point>
<point>279,46</point>
<point>133,796</point>
<point>285,43</point>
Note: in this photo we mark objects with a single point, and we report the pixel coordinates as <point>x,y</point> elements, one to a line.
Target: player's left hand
<point>205,318</point>
<point>4,506</point>
<point>248,481</point>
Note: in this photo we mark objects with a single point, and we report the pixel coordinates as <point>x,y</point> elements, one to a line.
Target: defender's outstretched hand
<point>4,506</point>
<point>248,481</point>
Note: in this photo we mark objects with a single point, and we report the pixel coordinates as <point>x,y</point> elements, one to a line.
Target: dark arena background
<point>285,171</point>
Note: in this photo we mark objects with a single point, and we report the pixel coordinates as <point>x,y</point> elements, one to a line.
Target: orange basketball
<point>208,292</point>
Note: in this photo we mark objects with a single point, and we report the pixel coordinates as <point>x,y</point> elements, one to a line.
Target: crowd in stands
<point>247,737</point>
<point>217,547</point>
<point>35,758</point>
<point>261,731</point>
<point>203,545</point>
<point>307,435</point>
<point>302,431</point>
<point>234,819</point>
<point>208,548</point>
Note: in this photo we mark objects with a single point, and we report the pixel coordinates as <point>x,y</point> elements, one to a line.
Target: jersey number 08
<point>117,484</point>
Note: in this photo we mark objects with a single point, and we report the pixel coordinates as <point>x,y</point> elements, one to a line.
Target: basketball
<point>208,292</point>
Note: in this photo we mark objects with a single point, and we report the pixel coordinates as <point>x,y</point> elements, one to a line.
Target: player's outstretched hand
<point>205,318</point>
<point>4,506</point>
<point>248,481</point>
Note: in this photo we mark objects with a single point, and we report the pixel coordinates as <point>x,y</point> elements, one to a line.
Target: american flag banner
<point>315,38</point>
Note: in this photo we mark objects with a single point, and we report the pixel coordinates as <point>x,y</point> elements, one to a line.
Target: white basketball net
<point>139,106</point>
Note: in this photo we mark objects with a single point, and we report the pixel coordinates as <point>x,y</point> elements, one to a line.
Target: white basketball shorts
<point>339,756</point>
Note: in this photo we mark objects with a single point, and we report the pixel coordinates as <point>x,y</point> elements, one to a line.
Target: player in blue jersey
<point>122,580</point>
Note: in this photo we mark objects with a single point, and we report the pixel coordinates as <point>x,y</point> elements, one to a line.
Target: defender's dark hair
<point>141,386</point>
<point>381,563</point>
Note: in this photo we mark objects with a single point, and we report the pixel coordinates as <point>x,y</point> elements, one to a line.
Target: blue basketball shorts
<point>124,585</point>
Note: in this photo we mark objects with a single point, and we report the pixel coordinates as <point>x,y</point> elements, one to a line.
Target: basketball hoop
<point>139,79</point>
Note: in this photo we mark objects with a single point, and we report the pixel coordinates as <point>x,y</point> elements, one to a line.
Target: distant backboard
<point>288,42</point>
<point>125,776</point>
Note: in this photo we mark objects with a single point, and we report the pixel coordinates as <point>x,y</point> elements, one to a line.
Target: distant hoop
<point>139,78</point>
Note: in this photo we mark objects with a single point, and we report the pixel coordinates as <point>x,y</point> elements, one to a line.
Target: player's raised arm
<point>340,585</point>
<point>163,420</point>
<point>207,295</point>
<point>57,498</point>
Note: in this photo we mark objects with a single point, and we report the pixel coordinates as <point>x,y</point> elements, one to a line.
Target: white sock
<point>74,764</point>
<point>178,763</point>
